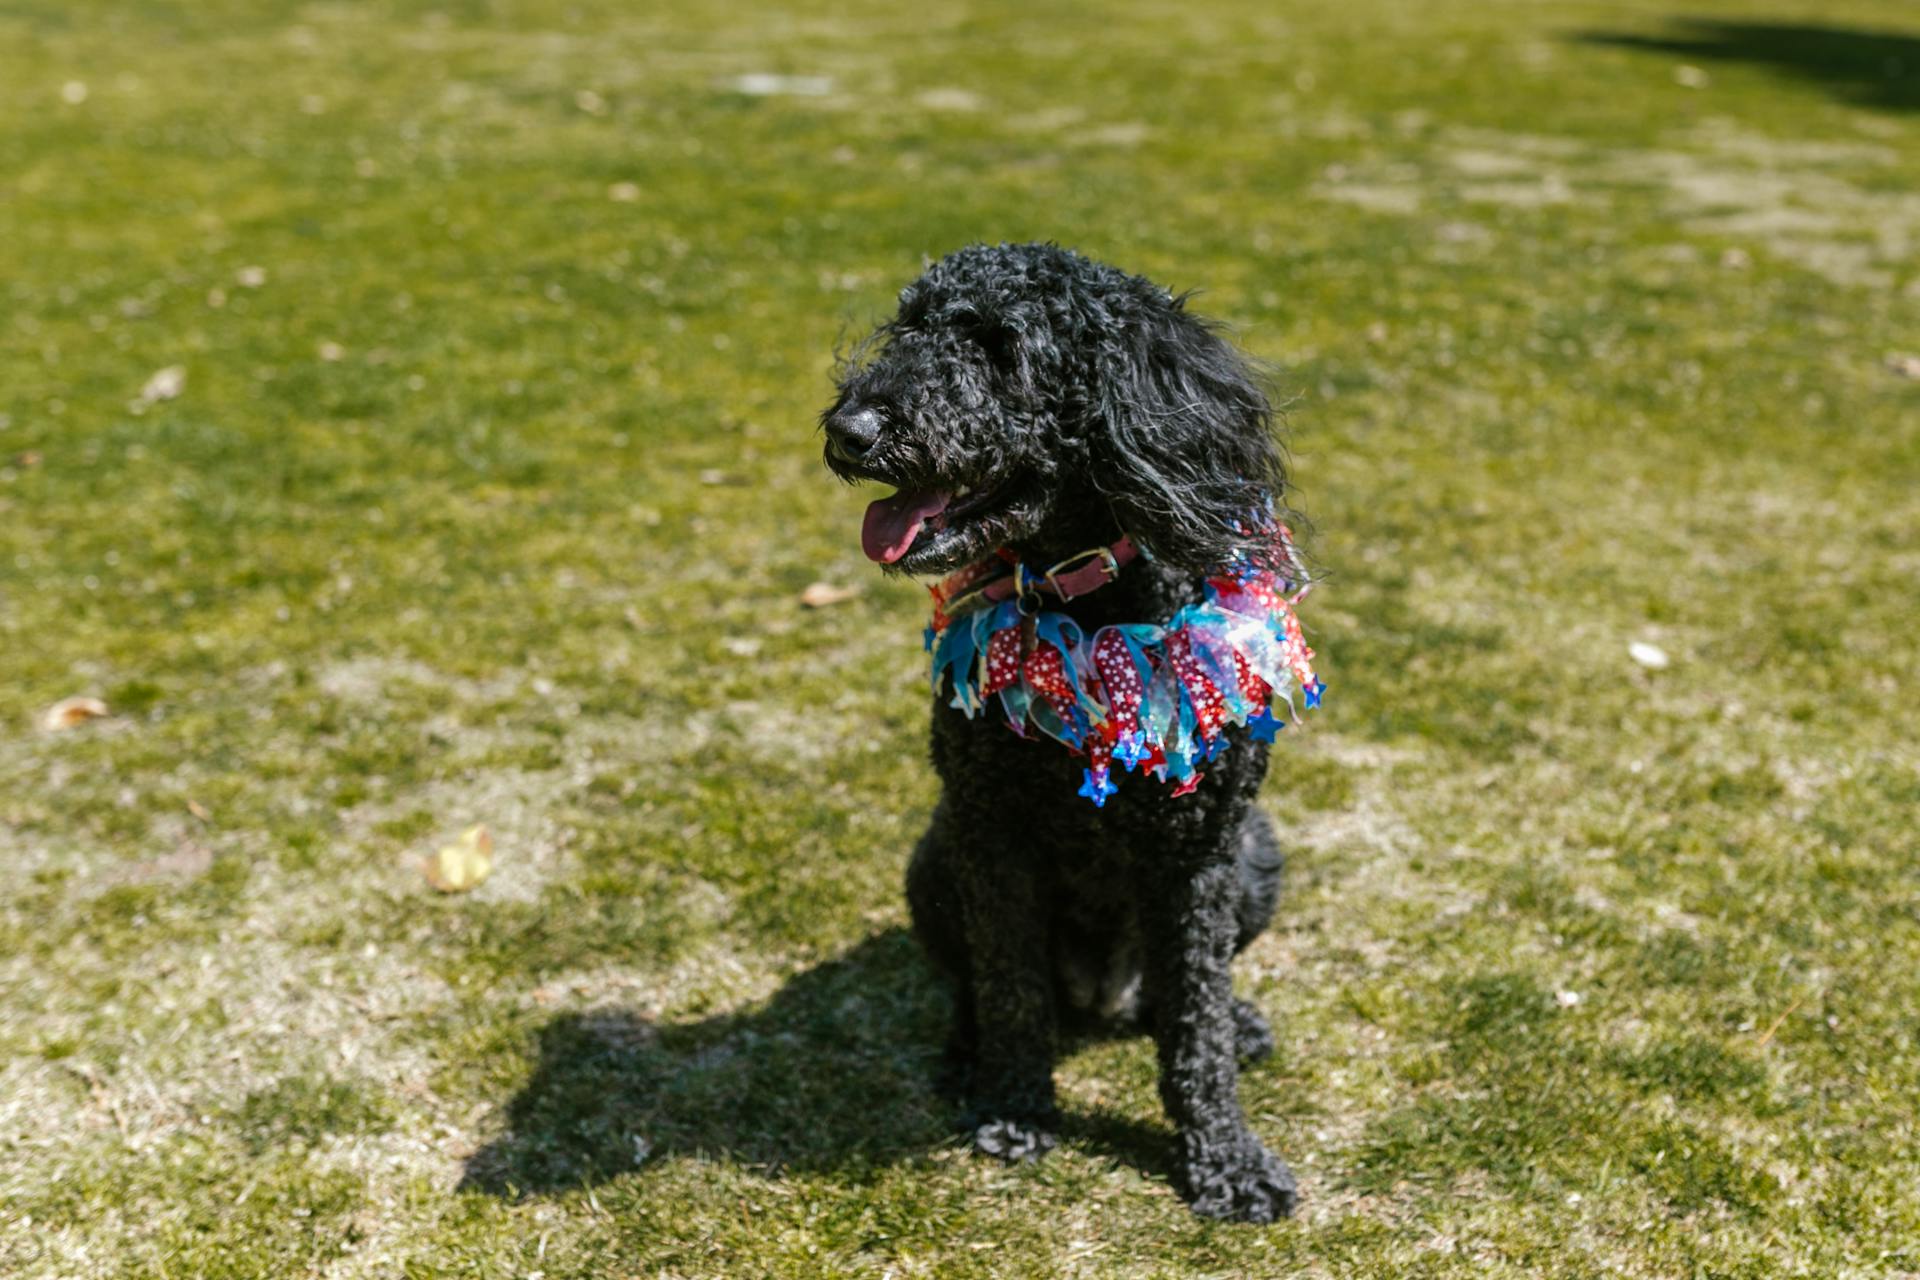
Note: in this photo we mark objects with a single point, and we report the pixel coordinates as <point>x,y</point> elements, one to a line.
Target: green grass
<point>493,484</point>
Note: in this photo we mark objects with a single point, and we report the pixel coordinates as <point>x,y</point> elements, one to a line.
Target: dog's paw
<point>1013,1141</point>
<point>1252,1037</point>
<point>1243,1182</point>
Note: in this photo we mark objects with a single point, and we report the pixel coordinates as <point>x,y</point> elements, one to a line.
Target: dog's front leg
<point>1010,1106</point>
<point>1226,1171</point>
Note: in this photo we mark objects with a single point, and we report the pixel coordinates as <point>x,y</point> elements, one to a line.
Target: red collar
<point>1003,577</point>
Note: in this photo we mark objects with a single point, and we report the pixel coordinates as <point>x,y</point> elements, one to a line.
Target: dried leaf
<point>1904,366</point>
<point>1650,656</point>
<point>822,594</point>
<point>251,277</point>
<point>331,352</point>
<point>1566,999</point>
<point>623,192</point>
<point>460,866</point>
<point>68,712</point>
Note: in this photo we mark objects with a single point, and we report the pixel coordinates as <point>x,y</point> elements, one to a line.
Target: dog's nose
<point>852,432</point>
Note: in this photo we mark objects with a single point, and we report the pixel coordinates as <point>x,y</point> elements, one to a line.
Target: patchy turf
<point>491,487</point>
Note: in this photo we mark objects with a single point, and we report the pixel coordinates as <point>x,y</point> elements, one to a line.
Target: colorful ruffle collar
<point>1153,697</point>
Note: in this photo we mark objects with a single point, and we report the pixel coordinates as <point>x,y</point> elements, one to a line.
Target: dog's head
<point>1025,396</point>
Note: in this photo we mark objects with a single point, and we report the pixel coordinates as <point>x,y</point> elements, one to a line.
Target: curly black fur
<point>1079,402</point>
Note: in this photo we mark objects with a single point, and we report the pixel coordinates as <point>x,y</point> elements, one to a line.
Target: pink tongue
<point>893,523</point>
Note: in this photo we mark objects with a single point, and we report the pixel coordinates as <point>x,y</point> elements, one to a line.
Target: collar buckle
<point>1078,565</point>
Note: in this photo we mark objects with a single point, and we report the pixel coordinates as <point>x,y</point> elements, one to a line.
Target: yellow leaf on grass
<point>458,867</point>
<point>822,594</point>
<point>68,712</point>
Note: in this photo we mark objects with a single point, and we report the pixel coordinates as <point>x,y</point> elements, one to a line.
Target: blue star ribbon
<point>1266,725</point>
<point>1097,787</point>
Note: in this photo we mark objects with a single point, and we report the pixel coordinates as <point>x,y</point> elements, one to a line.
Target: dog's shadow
<point>837,1071</point>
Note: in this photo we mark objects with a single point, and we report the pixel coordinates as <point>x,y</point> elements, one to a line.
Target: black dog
<point>1027,398</point>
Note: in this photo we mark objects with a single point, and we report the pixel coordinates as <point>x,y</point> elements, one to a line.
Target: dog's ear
<point>1184,453</point>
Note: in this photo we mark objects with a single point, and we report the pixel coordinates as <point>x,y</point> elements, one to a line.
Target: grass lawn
<point>486,485</point>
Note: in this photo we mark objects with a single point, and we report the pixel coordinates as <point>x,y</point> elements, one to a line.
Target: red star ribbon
<point>1255,690</point>
<point>1299,657</point>
<point>1209,708</point>
<point>955,584</point>
<point>1047,674</point>
<point>1003,659</point>
<point>1120,677</point>
<point>1254,596</point>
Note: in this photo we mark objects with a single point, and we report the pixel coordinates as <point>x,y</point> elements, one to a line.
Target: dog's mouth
<point>915,522</point>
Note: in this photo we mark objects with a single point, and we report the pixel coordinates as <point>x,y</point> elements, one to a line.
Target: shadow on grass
<point>835,1073</point>
<point>1867,67</point>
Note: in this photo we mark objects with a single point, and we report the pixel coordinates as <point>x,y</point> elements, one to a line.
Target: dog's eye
<point>997,340</point>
